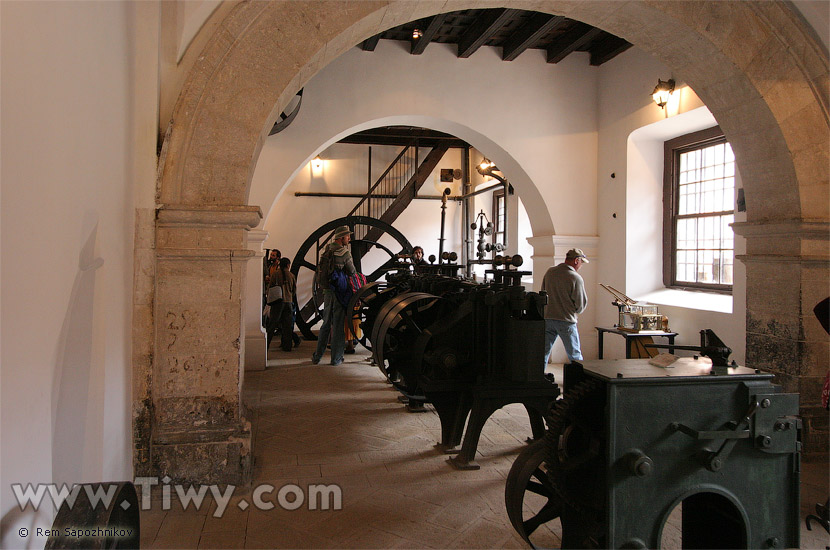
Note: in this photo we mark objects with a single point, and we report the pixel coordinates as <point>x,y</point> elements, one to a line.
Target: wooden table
<point>630,337</point>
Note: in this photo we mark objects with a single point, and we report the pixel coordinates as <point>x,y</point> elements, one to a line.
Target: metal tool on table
<point>710,346</point>
<point>636,316</point>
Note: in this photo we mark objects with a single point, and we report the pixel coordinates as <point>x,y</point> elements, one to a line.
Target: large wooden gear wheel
<point>371,252</point>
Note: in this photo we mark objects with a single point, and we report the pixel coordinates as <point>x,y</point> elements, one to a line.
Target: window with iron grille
<point>699,205</point>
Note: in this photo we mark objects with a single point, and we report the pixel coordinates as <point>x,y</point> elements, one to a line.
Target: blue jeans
<point>570,337</point>
<point>334,315</point>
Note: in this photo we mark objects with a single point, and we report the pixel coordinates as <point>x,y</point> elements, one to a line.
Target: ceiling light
<point>416,34</point>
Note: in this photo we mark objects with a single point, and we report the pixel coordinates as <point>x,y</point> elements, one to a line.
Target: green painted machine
<point>631,443</point>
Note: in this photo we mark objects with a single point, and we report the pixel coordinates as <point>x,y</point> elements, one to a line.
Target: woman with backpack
<point>337,258</point>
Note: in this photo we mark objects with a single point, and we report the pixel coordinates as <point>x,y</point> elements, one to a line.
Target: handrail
<point>379,180</point>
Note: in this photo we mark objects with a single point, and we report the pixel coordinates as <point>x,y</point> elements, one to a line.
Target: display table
<point>630,337</point>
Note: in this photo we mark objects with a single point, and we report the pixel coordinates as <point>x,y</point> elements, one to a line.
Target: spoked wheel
<point>366,250</point>
<point>400,323</point>
<point>530,497</point>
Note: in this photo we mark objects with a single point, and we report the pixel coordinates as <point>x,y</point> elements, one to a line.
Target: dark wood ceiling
<point>401,136</point>
<point>514,31</point>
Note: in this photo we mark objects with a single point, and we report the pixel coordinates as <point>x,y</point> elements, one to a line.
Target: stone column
<point>255,341</point>
<point>199,433</point>
<point>787,274</point>
<point>543,251</point>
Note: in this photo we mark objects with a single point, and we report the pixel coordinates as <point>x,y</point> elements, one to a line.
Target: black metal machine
<point>631,442</point>
<point>468,348</point>
<point>85,523</point>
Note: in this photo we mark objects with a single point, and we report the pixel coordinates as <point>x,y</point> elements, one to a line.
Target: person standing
<point>418,258</point>
<point>338,256</point>
<point>270,265</point>
<point>282,310</point>
<point>566,300</point>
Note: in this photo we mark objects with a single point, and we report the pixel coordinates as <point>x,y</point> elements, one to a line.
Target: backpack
<point>340,286</point>
<point>345,286</point>
<point>356,281</point>
<point>325,268</point>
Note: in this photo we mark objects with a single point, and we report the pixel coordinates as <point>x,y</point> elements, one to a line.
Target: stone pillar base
<point>255,352</point>
<point>205,462</point>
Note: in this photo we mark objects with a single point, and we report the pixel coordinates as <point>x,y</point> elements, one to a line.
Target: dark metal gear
<point>400,323</point>
<point>529,476</point>
<point>575,455</point>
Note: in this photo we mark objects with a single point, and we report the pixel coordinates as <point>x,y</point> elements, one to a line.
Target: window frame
<point>498,230</point>
<point>671,161</point>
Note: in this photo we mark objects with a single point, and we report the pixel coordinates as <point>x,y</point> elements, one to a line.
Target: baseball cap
<point>577,253</point>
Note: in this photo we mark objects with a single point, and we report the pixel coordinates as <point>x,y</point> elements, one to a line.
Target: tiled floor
<point>320,425</point>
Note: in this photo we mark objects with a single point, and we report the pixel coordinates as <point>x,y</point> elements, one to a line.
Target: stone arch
<point>754,64</point>
<point>771,72</point>
<point>540,218</point>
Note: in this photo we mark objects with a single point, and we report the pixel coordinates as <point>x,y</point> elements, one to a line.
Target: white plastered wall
<point>547,152</point>
<point>632,130</point>
<point>78,156</point>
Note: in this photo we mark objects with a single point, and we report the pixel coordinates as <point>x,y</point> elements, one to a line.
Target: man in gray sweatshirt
<point>566,300</point>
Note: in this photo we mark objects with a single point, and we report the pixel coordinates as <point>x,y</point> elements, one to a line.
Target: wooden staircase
<point>406,193</point>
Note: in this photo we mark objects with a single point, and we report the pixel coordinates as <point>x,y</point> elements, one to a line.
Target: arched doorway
<point>753,64</point>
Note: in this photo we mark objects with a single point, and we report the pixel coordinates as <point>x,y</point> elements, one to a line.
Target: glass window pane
<point>704,243</point>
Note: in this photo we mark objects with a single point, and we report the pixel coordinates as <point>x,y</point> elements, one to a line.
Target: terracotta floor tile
<point>222,539</point>
<point>481,534</point>
<point>232,519</point>
<point>373,538</point>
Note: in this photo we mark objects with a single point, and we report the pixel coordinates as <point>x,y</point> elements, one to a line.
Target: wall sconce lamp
<point>416,34</point>
<point>317,162</point>
<point>486,167</point>
<point>662,92</point>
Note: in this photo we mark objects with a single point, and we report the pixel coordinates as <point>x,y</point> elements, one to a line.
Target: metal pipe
<point>466,244</point>
<point>369,184</point>
<point>443,221</point>
<point>480,191</point>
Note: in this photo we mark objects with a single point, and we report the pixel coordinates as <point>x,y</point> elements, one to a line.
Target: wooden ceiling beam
<point>432,28</point>
<point>403,136</point>
<point>572,41</point>
<point>536,27</point>
<point>370,43</point>
<point>485,26</point>
<point>610,47</point>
